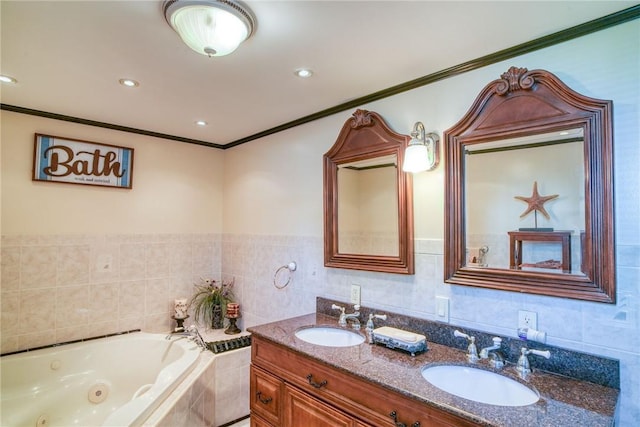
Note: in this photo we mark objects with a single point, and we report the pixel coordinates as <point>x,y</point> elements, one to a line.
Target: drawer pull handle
<point>315,384</point>
<point>394,415</point>
<point>263,400</point>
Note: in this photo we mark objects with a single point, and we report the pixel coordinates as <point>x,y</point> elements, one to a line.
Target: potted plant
<point>209,303</point>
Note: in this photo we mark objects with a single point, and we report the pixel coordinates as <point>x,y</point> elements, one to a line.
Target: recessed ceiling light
<point>129,83</point>
<point>201,123</point>
<point>303,72</point>
<point>7,79</point>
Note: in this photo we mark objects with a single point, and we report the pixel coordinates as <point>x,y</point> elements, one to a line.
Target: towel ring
<point>291,267</point>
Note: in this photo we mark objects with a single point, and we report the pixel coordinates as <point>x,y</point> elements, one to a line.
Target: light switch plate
<point>355,294</point>
<point>442,309</point>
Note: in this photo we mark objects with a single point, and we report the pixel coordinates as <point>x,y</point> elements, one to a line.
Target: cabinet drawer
<point>266,395</point>
<point>367,401</point>
<point>300,409</point>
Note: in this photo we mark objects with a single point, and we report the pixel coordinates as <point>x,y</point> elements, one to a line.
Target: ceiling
<point>68,57</point>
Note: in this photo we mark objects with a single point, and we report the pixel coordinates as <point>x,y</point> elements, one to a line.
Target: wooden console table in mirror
<point>516,239</point>
<point>529,127</point>
<point>368,204</point>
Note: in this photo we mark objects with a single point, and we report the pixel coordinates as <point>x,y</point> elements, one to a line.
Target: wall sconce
<point>422,153</point>
<point>209,27</point>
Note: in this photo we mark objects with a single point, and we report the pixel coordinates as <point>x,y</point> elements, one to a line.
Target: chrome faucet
<point>496,359</point>
<point>472,350</point>
<point>192,333</point>
<point>523,367</point>
<point>342,321</point>
<point>354,317</point>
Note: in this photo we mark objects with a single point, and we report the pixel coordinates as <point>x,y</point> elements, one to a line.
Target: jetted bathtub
<point>115,381</point>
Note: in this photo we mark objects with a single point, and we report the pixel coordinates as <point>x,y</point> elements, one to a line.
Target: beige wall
<point>177,187</point>
<point>81,261</point>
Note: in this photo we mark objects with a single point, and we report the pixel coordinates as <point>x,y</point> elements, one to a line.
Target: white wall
<point>273,213</point>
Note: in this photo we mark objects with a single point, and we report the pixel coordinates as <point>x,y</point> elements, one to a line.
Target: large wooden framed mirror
<point>368,199</point>
<point>529,190</point>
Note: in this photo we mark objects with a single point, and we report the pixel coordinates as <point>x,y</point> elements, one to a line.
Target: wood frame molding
<point>523,103</point>
<point>363,136</point>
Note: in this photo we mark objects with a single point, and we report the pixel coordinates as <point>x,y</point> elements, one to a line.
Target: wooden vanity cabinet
<point>291,390</point>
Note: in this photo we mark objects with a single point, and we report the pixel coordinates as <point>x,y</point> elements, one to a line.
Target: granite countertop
<point>563,401</point>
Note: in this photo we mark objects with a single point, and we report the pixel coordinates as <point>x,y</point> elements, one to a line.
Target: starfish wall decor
<point>536,203</point>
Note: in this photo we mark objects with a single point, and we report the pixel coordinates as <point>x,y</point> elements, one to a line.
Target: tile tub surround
<point>214,394</point>
<point>573,364</point>
<point>564,401</point>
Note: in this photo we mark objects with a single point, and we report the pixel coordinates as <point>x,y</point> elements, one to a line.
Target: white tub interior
<point>112,381</point>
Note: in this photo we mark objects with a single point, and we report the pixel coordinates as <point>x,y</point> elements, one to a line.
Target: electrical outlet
<point>442,309</point>
<point>355,294</point>
<point>527,319</point>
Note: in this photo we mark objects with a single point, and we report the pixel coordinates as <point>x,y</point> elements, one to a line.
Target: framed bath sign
<point>72,161</point>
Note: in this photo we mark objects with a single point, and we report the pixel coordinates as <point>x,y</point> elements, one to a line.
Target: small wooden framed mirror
<point>368,199</point>
<point>529,133</point>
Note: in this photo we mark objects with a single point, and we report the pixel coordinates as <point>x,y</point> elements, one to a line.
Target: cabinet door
<point>266,395</point>
<point>256,421</point>
<point>300,410</point>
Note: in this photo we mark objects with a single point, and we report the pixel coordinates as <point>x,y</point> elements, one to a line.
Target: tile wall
<point>58,288</point>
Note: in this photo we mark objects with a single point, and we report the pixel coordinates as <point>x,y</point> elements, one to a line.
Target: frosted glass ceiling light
<point>210,27</point>
<point>7,79</point>
<point>422,152</point>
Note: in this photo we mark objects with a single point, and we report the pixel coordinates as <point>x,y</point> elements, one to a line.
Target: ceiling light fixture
<point>303,72</point>
<point>210,27</point>
<point>7,79</point>
<point>422,153</point>
<point>129,83</point>
<point>201,123</point>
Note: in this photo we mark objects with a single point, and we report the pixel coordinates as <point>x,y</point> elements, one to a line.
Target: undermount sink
<point>480,385</point>
<point>329,337</point>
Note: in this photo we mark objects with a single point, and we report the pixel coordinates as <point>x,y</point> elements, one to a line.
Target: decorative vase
<point>217,319</point>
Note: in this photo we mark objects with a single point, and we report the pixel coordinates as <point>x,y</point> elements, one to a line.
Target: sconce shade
<point>209,27</point>
<point>416,158</point>
<point>422,152</point>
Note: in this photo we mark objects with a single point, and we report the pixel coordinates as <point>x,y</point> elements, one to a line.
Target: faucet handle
<point>337,307</point>
<point>472,350</point>
<point>523,365</point>
<point>544,353</point>
<point>356,307</point>
<point>459,334</point>
<point>370,324</point>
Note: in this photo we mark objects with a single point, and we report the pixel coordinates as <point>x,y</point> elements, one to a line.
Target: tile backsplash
<point>58,288</point>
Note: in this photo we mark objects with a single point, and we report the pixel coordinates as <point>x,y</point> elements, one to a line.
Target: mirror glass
<point>368,199</point>
<point>499,175</point>
<point>367,206</point>
<point>529,190</point>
